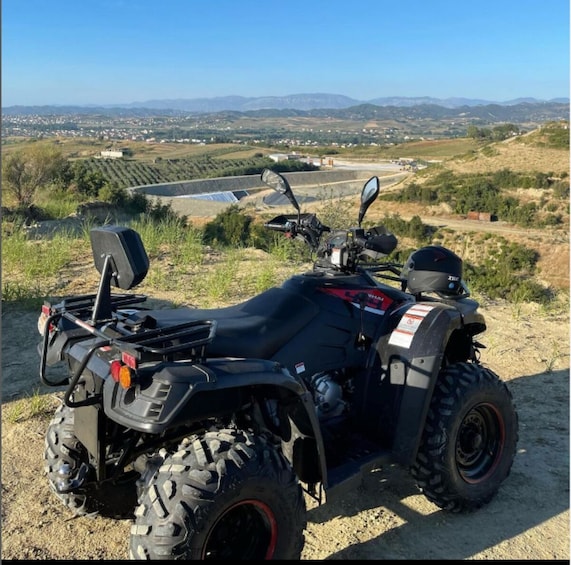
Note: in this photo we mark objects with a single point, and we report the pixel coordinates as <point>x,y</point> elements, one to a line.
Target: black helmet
<point>433,269</point>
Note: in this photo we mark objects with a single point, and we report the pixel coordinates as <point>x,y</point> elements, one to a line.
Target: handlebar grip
<point>384,243</point>
<point>277,226</point>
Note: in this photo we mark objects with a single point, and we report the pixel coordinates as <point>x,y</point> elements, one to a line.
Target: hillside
<point>517,154</point>
<point>528,154</point>
<point>531,154</point>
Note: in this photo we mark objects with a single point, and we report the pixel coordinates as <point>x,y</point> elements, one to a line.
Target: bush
<point>230,227</point>
<point>263,238</point>
<point>527,290</point>
<point>114,195</point>
<point>561,190</point>
<point>507,273</point>
<point>414,229</point>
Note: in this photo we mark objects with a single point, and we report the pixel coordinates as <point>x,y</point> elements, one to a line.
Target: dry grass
<point>142,151</point>
<point>513,155</point>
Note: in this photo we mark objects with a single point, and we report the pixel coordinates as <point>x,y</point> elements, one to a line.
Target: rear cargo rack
<point>173,339</point>
<point>77,309</point>
<point>150,345</point>
<point>153,344</point>
<point>86,302</point>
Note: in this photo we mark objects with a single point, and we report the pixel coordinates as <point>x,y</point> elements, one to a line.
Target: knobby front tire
<point>469,440</point>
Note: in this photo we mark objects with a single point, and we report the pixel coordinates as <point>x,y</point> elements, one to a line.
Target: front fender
<point>412,357</point>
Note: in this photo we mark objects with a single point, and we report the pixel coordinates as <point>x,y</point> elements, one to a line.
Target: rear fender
<point>52,347</point>
<point>180,393</point>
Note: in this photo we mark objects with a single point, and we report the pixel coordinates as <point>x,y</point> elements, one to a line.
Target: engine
<point>330,394</point>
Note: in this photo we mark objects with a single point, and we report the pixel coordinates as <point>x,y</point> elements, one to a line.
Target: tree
<point>27,170</point>
<point>87,181</point>
<point>473,131</point>
<point>478,133</point>
<point>503,131</point>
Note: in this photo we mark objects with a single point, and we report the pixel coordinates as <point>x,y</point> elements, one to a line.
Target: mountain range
<point>301,102</point>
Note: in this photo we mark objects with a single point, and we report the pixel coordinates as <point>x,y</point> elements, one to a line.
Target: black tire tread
<point>431,470</point>
<point>61,447</point>
<point>178,504</point>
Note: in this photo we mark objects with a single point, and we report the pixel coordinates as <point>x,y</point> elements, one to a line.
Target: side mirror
<point>368,195</point>
<point>280,184</point>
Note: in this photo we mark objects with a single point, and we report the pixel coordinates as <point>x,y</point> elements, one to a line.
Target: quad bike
<point>208,427</point>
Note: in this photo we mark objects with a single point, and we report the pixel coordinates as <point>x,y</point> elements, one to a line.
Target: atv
<point>210,427</point>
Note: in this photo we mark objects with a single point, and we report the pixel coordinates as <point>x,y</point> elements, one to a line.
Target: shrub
<point>230,227</point>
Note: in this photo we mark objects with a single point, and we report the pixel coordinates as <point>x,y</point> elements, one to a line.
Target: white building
<point>112,154</point>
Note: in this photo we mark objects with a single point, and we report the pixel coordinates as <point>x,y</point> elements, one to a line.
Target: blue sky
<point>121,51</point>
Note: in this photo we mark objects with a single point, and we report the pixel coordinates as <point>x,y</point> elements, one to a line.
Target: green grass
<point>29,407</point>
<point>31,268</point>
<point>57,205</point>
<point>209,276</point>
<point>264,278</point>
<point>216,286</point>
<point>180,262</point>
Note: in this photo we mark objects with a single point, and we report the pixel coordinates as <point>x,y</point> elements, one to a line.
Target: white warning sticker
<point>403,334</point>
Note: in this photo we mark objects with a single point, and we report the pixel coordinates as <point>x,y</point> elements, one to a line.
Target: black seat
<point>256,328</point>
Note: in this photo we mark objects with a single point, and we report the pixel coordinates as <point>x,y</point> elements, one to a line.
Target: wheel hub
<point>479,443</point>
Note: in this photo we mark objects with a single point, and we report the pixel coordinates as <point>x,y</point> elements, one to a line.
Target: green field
<point>157,163</point>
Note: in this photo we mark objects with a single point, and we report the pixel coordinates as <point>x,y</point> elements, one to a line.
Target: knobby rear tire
<point>63,455</point>
<point>226,494</point>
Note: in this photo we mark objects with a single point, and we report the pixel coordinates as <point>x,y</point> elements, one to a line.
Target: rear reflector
<point>125,378</point>
<point>121,374</point>
<point>129,360</point>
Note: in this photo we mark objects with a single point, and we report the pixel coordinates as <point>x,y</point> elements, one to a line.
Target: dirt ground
<point>384,519</point>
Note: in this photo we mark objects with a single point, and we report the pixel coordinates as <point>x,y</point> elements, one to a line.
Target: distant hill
<point>522,112</point>
<point>303,102</point>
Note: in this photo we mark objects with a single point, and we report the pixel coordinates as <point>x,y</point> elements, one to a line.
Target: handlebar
<point>281,223</point>
<point>344,249</point>
<point>355,243</point>
<point>301,226</point>
<point>382,243</point>
<point>376,239</point>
